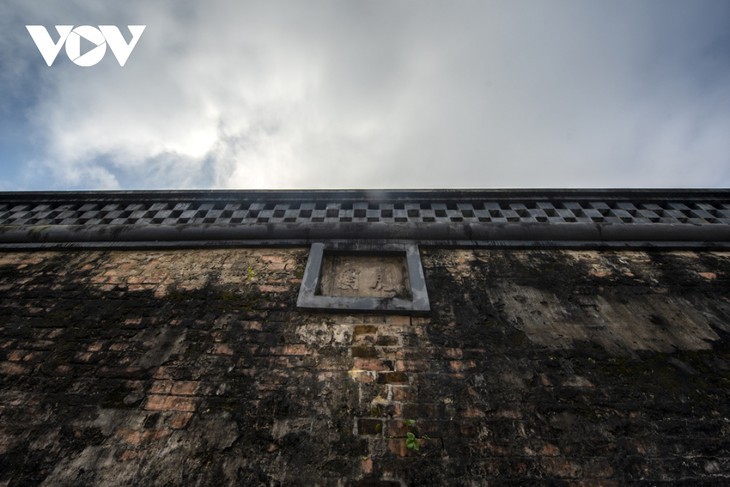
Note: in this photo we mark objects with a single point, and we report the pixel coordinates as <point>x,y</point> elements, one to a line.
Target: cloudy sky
<point>371,94</point>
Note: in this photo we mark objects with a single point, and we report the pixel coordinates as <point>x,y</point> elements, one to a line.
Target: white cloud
<point>392,94</point>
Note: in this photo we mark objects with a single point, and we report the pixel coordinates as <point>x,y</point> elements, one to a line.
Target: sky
<point>371,94</point>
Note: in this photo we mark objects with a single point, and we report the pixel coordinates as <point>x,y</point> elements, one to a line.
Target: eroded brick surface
<point>195,367</point>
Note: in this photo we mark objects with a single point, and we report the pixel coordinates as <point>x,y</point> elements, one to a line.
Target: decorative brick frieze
<point>490,218</point>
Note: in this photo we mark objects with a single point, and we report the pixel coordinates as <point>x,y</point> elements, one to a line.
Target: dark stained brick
<point>534,367</point>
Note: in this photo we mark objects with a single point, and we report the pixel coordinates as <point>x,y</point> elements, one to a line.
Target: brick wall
<point>195,367</point>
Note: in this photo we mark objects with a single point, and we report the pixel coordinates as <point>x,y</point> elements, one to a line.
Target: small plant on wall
<point>412,441</point>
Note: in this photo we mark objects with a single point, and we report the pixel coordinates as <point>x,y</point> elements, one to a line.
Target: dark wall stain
<point>135,375</point>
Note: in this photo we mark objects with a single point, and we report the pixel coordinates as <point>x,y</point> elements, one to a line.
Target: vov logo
<point>96,41</point>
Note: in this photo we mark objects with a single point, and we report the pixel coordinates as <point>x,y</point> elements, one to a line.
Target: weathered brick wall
<point>195,367</point>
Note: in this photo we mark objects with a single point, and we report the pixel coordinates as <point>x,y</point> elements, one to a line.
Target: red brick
<point>372,364</point>
<point>561,467</point>
<point>498,450</point>
<point>275,262</point>
<point>460,365</point>
<point>363,319</point>
<point>156,435</point>
<point>274,258</point>
<point>399,320</point>
<point>398,447</point>
<point>411,365</point>
<point>184,387</point>
<point>63,370</point>
<point>267,288</point>
<point>41,345</point>
<point>179,420</point>
<point>392,378</point>
<point>363,340</point>
<point>157,402</point>
<point>222,349</point>
<point>298,349</point>
<point>363,376</point>
<point>364,352</point>
<point>132,323</point>
<point>550,450</point>
<point>598,469</point>
<point>403,394</point>
<point>16,355</point>
<point>369,426</point>
<point>387,341</point>
<point>422,353</point>
<point>183,404</point>
<point>135,288</point>
<point>329,363</point>
<point>472,412</point>
<point>83,357</point>
<point>364,330</point>
<point>55,333</point>
<point>32,356</point>
<point>508,414</point>
<point>455,353</point>
<point>128,455</point>
<point>11,368</point>
<point>578,381</point>
<point>456,365</point>
<point>419,410</point>
<point>161,387</point>
<point>252,325</point>
<point>130,437</point>
<point>469,429</point>
<point>397,427</point>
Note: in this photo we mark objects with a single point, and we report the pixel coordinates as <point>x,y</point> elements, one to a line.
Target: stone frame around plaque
<point>414,301</point>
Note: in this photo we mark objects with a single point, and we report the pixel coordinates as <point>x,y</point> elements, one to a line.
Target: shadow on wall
<point>195,366</point>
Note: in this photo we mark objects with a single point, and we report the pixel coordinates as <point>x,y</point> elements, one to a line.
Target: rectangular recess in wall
<point>364,277</point>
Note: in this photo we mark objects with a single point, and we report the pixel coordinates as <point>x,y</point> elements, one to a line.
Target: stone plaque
<point>371,276</point>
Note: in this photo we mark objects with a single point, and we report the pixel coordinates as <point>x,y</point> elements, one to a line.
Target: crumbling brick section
<point>196,367</point>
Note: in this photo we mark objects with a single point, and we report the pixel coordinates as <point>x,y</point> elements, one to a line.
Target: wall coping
<point>511,218</point>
